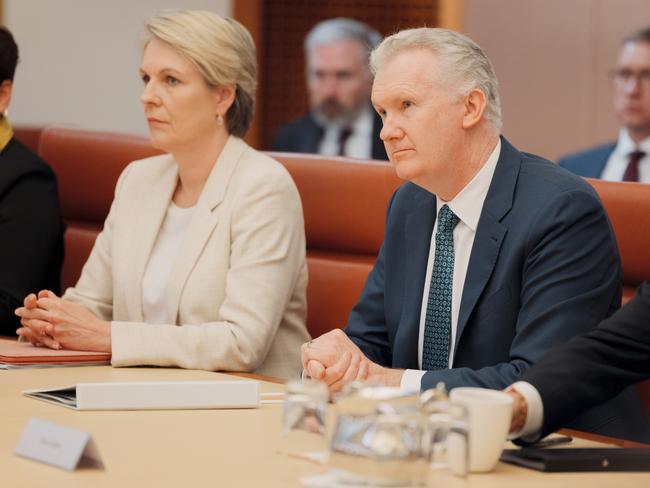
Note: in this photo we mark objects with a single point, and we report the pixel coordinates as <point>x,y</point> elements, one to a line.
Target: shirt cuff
<point>535,418</point>
<point>412,379</point>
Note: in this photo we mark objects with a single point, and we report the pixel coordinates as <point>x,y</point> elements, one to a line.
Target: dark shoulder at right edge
<point>549,177</point>
<point>586,154</point>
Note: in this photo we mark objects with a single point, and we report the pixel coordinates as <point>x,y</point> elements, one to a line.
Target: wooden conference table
<point>193,448</point>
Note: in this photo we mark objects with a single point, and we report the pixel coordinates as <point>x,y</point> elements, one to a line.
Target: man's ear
<point>5,95</point>
<point>474,108</point>
<point>224,96</point>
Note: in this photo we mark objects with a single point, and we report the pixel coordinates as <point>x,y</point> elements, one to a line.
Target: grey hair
<point>342,29</point>
<point>642,35</point>
<point>466,65</point>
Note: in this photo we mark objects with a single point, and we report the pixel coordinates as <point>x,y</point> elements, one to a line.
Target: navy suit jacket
<point>590,163</point>
<point>544,267</point>
<point>304,135</point>
<point>601,362</point>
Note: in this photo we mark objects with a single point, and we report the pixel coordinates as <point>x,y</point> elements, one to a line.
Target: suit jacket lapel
<point>203,222</point>
<point>151,212</point>
<point>310,137</point>
<point>599,165</point>
<point>417,231</point>
<point>490,232</point>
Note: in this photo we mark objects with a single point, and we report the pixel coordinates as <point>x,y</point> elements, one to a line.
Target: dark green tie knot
<point>447,220</point>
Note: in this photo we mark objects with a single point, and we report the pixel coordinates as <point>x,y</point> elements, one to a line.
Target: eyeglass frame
<point>622,76</point>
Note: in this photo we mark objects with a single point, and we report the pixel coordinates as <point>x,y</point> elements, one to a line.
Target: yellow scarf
<point>6,132</point>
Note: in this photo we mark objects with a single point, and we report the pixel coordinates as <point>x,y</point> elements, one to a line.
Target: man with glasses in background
<point>341,121</point>
<point>629,158</point>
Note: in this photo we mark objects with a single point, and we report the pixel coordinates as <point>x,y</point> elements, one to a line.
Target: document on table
<point>153,395</point>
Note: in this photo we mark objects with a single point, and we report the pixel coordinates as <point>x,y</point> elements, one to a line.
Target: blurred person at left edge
<point>31,228</point>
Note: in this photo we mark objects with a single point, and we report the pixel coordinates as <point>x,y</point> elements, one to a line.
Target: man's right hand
<point>519,411</point>
<point>334,359</point>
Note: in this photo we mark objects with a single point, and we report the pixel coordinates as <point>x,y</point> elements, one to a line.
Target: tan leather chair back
<point>344,202</point>
<point>29,135</point>
<point>628,207</point>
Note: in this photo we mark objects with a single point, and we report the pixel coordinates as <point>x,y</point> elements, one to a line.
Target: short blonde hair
<point>465,64</point>
<point>221,49</point>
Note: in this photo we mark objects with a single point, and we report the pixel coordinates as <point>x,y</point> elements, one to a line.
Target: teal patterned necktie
<point>437,323</point>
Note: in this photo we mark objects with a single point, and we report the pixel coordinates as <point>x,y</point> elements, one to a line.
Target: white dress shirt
<point>467,205</point>
<point>358,144</point>
<point>535,416</point>
<point>619,159</point>
<point>159,267</point>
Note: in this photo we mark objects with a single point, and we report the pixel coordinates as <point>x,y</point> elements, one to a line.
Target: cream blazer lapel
<point>147,220</point>
<point>203,222</point>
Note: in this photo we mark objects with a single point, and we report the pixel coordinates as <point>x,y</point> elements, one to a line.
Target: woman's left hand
<point>69,324</point>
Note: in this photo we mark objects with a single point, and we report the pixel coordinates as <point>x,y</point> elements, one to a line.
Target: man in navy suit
<point>602,362</point>
<point>629,158</point>
<point>490,257</point>
<point>341,121</point>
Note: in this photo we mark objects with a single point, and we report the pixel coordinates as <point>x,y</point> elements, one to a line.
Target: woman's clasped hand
<point>47,320</point>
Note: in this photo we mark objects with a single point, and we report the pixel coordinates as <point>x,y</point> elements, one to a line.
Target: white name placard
<point>57,445</point>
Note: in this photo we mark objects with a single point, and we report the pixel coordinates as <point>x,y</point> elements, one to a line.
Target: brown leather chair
<point>29,135</point>
<point>344,202</point>
<point>87,165</point>
<point>628,207</point>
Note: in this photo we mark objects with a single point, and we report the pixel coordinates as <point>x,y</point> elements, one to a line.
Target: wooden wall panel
<point>249,14</point>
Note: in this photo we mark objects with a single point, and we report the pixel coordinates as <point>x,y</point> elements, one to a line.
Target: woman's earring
<point>220,119</point>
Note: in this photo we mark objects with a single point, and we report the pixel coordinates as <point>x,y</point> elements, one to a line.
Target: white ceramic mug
<point>489,413</point>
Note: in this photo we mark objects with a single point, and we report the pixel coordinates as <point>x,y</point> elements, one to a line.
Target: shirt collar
<point>6,133</point>
<point>363,123</point>
<point>468,203</point>
<point>626,145</point>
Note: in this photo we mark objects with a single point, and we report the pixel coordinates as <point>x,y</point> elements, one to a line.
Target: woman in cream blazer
<point>201,263</point>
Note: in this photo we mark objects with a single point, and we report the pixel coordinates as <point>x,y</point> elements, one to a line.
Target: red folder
<point>17,353</point>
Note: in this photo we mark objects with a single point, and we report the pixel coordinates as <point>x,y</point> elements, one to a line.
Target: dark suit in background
<point>544,267</point>
<point>304,135</point>
<point>594,367</point>
<point>590,163</point>
<point>31,230</point>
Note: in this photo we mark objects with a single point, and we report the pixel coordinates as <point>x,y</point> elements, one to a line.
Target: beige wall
<point>552,58</point>
<point>80,58</point>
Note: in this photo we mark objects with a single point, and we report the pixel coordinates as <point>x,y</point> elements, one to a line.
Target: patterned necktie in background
<point>632,170</point>
<point>437,324</point>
